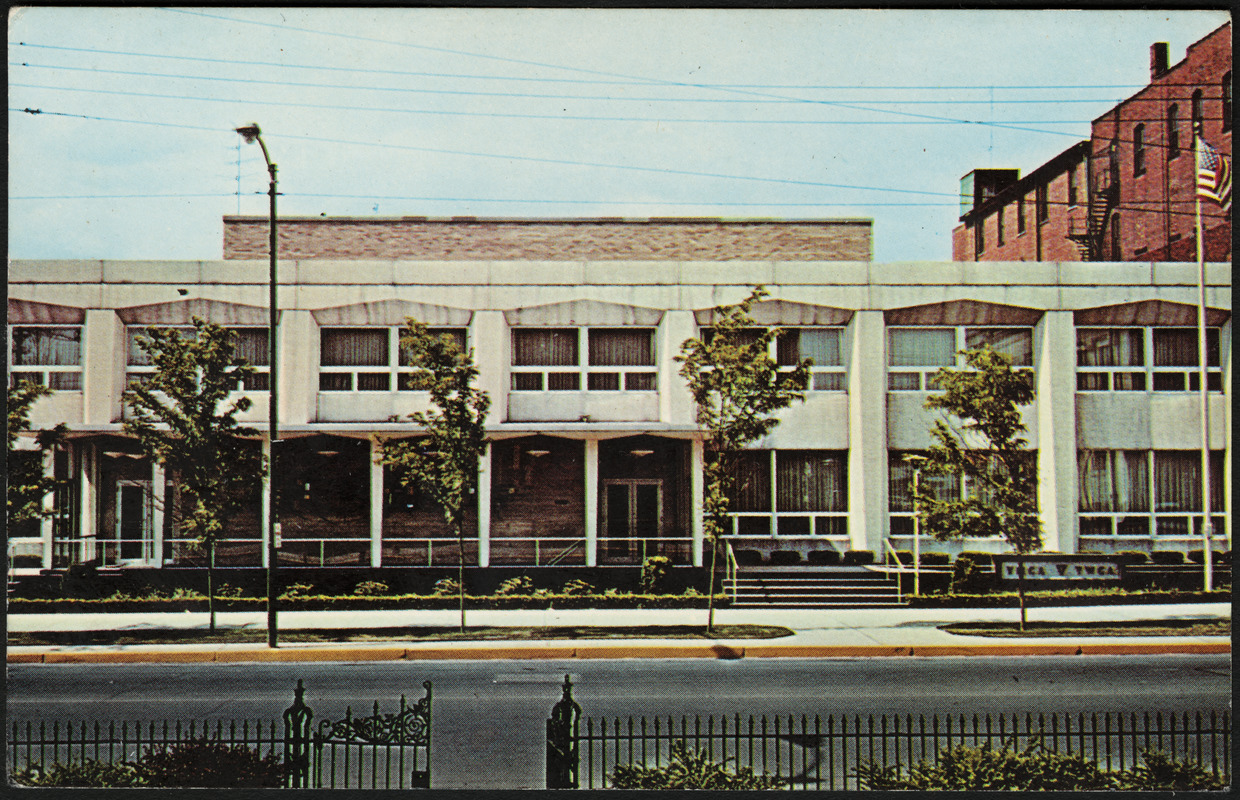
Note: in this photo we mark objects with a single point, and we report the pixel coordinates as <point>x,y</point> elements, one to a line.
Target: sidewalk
<point>818,633</point>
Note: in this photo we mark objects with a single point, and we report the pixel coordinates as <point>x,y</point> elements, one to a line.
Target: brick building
<point>594,457</point>
<point>1134,198</point>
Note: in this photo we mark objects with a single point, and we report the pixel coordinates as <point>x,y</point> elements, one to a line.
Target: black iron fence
<point>379,751</point>
<point>824,752</point>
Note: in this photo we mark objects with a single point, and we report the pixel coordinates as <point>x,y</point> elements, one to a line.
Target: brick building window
<point>1227,102</point>
<point>1072,186</point>
<point>1020,215</point>
<point>1173,131</point>
<point>1117,241</point>
<point>1115,359</point>
<point>915,354</point>
<point>999,227</point>
<point>1042,204</point>
<point>1198,111</point>
<point>369,359</point>
<point>1138,150</point>
<point>791,493</point>
<point>46,355</point>
<point>979,238</point>
<point>1140,493</point>
<point>549,359</point>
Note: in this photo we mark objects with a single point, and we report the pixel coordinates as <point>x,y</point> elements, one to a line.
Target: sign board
<point>1058,568</point>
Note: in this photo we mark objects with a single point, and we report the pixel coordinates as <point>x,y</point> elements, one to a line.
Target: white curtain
<point>822,345</point>
<point>354,347</point>
<point>922,347</point>
<point>1113,480</point>
<point>59,347</point>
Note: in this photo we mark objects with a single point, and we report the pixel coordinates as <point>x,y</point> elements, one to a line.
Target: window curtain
<point>622,347</point>
<point>354,347</point>
<point>1113,347</point>
<point>751,489</point>
<point>59,347</point>
<point>551,347</point>
<point>1177,347</point>
<point>1015,342</point>
<point>1177,481</point>
<point>252,345</point>
<point>900,472</point>
<point>925,347</point>
<point>809,481</point>
<point>821,345</point>
<point>456,334</point>
<point>1113,480</point>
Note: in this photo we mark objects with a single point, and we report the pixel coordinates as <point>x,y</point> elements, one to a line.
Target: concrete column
<point>88,491</point>
<point>104,350</point>
<point>265,514</point>
<point>1055,396</point>
<point>376,505</point>
<point>591,453</point>
<point>488,336</point>
<point>697,489</point>
<point>675,402</point>
<point>159,496</point>
<point>1229,452</point>
<point>47,524</point>
<point>298,348</point>
<point>866,343</point>
<point>484,508</point>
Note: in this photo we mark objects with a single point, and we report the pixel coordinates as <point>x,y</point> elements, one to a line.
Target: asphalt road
<point>489,716</point>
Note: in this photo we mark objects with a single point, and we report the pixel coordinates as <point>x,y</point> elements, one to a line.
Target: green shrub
<point>227,592</point>
<point>446,586</point>
<point>181,593</point>
<point>1198,557</point>
<point>86,773</point>
<point>297,591</point>
<point>371,589</point>
<point>1160,770</point>
<point>967,573</point>
<point>964,767</point>
<point>748,558</point>
<point>577,588</point>
<point>208,763</point>
<point>1132,557</point>
<point>690,770</point>
<point>1167,557</point>
<point>655,570</point>
<point>904,557</point>
<point>858,557</point>
<point>979,557</point>
<point>521,584</point>
<point>826,557</point>
<point>785,557</point>
<point>935,559</point>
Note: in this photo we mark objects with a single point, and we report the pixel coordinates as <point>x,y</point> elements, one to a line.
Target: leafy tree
<point>178,420</point>
<point>444,461</point>
<point>737,388</point>
<point>986,448</point>
<point>27,483</point>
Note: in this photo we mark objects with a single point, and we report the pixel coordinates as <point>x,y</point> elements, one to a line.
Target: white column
<point>675,401</point>
<point>488,336</point>
<point>88,508</point>
<point>697,487</point>
<point>1055,396</point>
<point>104,350</point>
<point>484,508</point>
<point>47,523</point>
<point>265,514</point>
<point>159,495</point>
<point>591,502</point>
<point>298,348</point>
<point>867,431</point>
<point>376,505</point>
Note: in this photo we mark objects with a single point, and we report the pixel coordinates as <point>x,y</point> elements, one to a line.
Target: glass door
<point>632,510</point>
<point>135,542</point>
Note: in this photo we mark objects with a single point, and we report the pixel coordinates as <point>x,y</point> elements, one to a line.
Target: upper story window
<point>47,355</point>
<point>1138,150</point>
<point>1197,110</point>
<point>1227,102</point>
<point>370,359</point>
<point>1173,131</point>
<point>249,343</point>
<point>1042,204</point>
<point>979,237</point>
<point>915,354</point>
<point>823,346</point>
<point>999,237</point>
<point>616,359</point>
<point>1115,359</point>
<point>1020,215</point>
<point>1072,185</point>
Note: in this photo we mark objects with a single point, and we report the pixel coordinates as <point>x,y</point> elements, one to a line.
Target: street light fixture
<point>251,133</point>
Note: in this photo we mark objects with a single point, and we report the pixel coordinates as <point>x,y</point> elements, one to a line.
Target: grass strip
<point>1218,626</point>
<point>406,634</point>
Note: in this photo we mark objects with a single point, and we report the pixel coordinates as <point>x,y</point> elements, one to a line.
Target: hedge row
<point>1070,597</point>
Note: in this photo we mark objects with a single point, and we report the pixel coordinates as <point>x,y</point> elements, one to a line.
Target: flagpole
<point>1207,553</point>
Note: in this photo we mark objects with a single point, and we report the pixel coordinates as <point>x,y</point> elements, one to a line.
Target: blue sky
<point>543,113</point>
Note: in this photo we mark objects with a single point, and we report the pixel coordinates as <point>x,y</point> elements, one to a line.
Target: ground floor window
<point>790,493</point>
<point>900,490</point>
<point>1142,493</point>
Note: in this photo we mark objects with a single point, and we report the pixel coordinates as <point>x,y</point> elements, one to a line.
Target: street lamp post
<point>251,134</point>
<point>917,462</point>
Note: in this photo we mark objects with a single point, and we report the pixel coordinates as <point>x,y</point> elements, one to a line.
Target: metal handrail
<point>560,556</point>
<point>898,568</point>
<point>731,568</point>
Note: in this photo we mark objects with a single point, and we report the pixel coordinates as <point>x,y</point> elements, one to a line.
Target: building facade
<point>1134,197</point>
<point>594,456</point>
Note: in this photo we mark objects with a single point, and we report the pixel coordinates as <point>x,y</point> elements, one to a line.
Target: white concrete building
<point>594,457</point>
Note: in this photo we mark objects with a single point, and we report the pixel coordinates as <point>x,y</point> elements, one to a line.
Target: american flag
<point>1213,175</point>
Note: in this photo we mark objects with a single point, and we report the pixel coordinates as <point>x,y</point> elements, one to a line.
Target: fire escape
<point>1090,233</point>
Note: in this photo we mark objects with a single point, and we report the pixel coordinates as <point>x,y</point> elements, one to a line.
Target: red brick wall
<point>551,240</point>
<point>1047,241</point>
<point>1156,208</point>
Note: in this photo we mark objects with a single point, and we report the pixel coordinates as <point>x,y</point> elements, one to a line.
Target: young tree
<point>444,461</point>
<point>178,420</point>
<point>989,451</point>
<point>27,483</point>
<point>737,388</point>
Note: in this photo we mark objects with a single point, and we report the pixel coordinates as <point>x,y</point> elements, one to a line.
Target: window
<point>631,349</point>
<point>979,237</point>
<point>900,491</point>
<point>370,359</point>
<point>1143,493</point>
<point>47,355</point>
<point>999,227</point>
<point>1227,102</point>
<point>790,493</point>
<point>249,343</point>
<point>1020,215</point>
<point>1173,131</point>
<point>1198,112</point>
<point>915,354</point>
<point>823,346</point>
<point>1042,204</point>
<point>1138,150</point>
<point>1114,359</point>
<point>1072,185</point>
<point>1116,239</point>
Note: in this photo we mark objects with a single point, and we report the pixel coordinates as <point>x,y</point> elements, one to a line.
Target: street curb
<point>718,651</point>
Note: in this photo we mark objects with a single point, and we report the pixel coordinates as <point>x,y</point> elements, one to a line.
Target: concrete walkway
<point>818,633</point>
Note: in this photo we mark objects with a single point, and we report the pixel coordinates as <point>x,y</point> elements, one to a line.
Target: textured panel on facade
<point>963,312</point>
<point>583,312</point>
<point>784,312</point>
<point>391,312</point>
<point>183,312</point>
<point>1148,312</point>
<point>32,312</point>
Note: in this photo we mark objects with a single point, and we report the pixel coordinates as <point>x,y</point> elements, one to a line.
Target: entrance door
<point>632,510</point>
<point>135,543</point>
